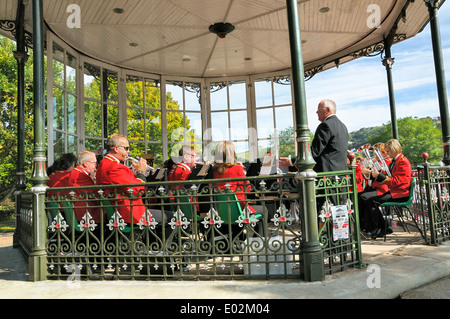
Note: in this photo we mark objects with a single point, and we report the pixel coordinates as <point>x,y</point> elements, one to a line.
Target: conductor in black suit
<point>329,146</point>
<point>330,143</point>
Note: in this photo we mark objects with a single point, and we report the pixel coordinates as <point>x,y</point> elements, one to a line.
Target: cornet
<point>148,170</point>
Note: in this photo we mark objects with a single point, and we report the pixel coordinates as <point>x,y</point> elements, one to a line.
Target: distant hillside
<point>361,137</point>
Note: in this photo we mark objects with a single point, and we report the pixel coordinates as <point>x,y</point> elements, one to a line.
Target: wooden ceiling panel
<point>8,10</point>
<point>172,37</point>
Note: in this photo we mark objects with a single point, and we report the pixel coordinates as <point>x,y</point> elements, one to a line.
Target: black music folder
<point>157,176</point>
<point>200,172</point>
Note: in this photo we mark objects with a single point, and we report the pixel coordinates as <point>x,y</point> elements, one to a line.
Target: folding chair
<point>230,201</point>
<point>397,209</point>
<point>66,208</point>
<point>69,214</point>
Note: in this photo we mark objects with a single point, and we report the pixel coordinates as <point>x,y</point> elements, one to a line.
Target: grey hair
<point>84,156</point>
<point>114,140</point>
<point>330,104</point>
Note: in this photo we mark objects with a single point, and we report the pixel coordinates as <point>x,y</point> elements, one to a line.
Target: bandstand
<point>168,73</point>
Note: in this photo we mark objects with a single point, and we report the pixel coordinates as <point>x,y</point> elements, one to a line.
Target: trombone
<point>148,170</point>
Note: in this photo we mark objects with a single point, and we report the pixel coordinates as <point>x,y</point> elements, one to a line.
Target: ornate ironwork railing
<point>24,222</point>
<point>190,230</point>
<point>431,204</point>
<point>337,209</point>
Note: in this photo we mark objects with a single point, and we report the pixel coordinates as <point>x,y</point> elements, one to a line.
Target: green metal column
<point>388,61</point>
<point>37,259</point>
<point>21,56</point>
<point>312,267</point>
<point>433,8</point>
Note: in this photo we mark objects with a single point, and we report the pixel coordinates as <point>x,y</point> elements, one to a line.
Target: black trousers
<point>369,212</point>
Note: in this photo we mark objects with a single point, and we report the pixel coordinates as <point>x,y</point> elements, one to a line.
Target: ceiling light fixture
<point>221,29</point>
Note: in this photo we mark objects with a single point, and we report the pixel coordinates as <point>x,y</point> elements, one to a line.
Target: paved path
<point>396,266</point>
<point>438,289</point>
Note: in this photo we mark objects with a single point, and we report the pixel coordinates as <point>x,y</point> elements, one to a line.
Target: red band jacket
<point>399,182</point>
<point>58,179</point>
<point>111,171</point>
<point>233,172</point>
<point>180,173</point>
<point>78,177</point>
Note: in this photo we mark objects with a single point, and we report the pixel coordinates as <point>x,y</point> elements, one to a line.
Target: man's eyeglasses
<point>126,148</point>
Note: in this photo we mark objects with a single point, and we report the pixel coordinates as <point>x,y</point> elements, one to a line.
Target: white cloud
<point>360,87</point>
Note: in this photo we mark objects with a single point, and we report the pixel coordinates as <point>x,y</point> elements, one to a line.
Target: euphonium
<point>368,161</point>
<point>377,150</point>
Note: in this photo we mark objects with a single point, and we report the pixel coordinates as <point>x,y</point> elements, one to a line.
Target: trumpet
<point>147,171</point>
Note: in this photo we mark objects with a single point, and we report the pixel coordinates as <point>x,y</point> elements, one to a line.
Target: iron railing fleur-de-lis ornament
<point>246,218</point>
<point>325,212</point>
<point>58,223</point>
<point>147,221</point>
<point>212,218</point>
<point>282,216</point>
<point>179,220</point>
<point>87,222</point>
<point>116,222</point>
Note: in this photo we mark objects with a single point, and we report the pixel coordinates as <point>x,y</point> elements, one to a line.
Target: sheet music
<point>267,165</point>
<point>161,173</point>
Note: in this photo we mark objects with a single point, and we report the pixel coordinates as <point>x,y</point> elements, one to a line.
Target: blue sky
<point>360,89</point>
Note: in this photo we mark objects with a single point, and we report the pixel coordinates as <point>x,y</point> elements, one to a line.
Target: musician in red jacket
<point>82,175</point>
<point>184,167</point>
<point>59,172</point>
<point>112,171</point>
<point>399,183</point>
<point>225,166</point>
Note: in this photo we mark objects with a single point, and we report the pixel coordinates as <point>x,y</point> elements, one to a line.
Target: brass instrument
<point>148,170</point>
<point>371,161</point>
<point>384,167</point>
<point>368,161</point>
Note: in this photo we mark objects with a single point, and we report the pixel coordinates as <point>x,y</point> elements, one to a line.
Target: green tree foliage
<point>417,135</point>
<point>287,145</point>
<point>8,114</point>
<point>146,123</point>
<point>361,137</point>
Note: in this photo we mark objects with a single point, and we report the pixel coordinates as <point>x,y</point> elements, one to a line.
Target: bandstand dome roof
<point>172,37</point>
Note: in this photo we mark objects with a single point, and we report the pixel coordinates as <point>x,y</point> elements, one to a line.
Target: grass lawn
<point>7,216</point>
<point>7,225</point>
